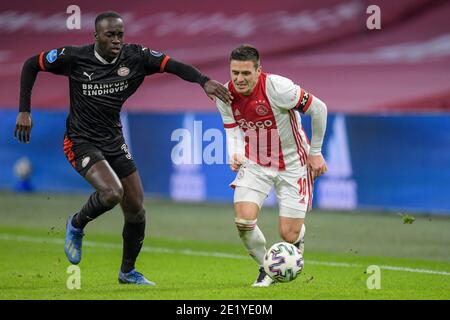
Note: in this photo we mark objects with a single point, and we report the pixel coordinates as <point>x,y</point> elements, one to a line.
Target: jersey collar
<point>99,57</point>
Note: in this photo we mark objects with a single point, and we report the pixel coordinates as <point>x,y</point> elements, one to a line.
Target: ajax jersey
<point>271,127</point>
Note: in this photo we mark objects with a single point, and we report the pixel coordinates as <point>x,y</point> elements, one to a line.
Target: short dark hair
<point>246,52</point>
<point>106,15</point>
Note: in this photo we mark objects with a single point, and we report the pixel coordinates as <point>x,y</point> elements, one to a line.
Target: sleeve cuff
<point>230,125</point>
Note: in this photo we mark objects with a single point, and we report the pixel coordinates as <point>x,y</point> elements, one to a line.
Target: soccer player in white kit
<point>268,147</point>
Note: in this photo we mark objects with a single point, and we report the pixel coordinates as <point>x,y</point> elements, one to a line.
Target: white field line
<point>107,245</point>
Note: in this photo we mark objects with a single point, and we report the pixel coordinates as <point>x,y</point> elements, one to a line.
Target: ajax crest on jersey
<point>262,110</point>
<point>283,262</point>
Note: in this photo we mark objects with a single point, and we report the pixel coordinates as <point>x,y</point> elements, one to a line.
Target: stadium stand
<point>387,92</point>
<point>323,44</point>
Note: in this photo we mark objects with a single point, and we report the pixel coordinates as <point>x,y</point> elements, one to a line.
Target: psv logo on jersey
<point>123,71</point>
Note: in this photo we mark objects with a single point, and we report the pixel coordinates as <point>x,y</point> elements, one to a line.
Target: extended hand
<point>215,89</point>
<point>317,165</point>
<point>23,127</point>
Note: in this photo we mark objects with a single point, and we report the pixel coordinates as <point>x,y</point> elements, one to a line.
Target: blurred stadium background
<point>387,91</point>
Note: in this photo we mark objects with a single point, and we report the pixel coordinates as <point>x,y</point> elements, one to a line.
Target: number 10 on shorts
<point>302,184</point>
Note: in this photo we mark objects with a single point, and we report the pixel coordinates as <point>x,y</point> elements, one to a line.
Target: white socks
<point>253,239</point>
<point>300,242</point>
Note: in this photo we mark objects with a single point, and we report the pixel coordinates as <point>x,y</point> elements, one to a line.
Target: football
<point>283,262</point>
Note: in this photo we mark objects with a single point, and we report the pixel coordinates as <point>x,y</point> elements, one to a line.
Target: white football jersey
<point>272,128</point>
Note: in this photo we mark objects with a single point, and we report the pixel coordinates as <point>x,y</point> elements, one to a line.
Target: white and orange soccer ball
<point>283,262</point>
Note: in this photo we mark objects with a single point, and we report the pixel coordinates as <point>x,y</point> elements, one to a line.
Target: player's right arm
<point>235,139</point>
<point>57,61</point>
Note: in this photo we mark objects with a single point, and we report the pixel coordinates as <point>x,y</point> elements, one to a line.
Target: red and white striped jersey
<point>272,128</point>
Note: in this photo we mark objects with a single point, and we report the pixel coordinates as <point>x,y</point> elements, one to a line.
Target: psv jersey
<point>98,89</point>
<point>272,129</point>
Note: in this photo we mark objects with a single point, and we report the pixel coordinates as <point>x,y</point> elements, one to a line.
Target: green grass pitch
<point>192,251</point>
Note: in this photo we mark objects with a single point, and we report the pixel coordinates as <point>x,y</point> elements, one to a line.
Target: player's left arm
<point>317,109</point>
<point>213,88</point>
<point>315,161</point>
<point>288,95</point>
<point>155,62</point>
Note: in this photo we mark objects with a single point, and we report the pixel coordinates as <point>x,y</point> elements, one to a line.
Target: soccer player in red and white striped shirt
<point>268,147</point>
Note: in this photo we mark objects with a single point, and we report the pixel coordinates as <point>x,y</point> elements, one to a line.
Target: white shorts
<point>293,187</point>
